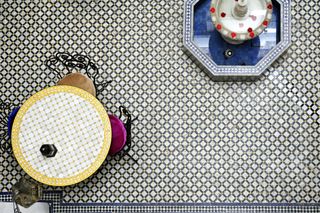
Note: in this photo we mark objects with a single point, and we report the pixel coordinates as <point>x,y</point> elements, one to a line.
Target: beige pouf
<point>79,80</point>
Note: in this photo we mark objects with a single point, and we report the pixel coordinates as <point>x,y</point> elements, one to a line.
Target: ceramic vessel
<point>240,20</point>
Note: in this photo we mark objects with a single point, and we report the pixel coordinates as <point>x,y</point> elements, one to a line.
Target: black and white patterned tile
<point>197,141</point>
<point>54,201</point>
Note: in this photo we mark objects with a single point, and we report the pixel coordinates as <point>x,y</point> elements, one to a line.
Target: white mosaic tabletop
<point>70,119</point>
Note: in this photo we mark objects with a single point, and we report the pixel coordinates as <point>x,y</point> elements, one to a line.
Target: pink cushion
<point>119,135</point>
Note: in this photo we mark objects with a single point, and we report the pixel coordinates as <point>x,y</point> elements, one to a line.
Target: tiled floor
<point>199,143</point>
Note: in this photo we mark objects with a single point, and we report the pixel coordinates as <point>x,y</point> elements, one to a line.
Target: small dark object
<point>48,150</point>
<point>228,53</point>
<point>128,124</point>
<point>25,193</point>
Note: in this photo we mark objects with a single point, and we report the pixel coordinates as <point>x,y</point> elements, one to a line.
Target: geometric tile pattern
<point>196,140</point>
<point>54,201</point>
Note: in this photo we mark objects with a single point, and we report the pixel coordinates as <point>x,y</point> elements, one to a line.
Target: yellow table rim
<point>73,179</point>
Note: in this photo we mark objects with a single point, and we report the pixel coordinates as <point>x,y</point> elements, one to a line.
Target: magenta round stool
<point>119,135</point>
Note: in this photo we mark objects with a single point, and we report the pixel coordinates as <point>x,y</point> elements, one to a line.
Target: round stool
<point>79,80</point>
<point>119,135</point>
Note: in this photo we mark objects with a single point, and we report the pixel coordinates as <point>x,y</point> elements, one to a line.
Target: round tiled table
<point>71,119</point>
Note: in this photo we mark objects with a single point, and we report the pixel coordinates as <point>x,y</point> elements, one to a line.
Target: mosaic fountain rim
<point>213,69</point>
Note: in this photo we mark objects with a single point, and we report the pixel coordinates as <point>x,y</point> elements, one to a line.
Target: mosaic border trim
<point>54,200</point>
<point>217,70</point>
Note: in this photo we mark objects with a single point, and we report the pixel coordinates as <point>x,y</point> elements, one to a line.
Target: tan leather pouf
<point>79,80</point>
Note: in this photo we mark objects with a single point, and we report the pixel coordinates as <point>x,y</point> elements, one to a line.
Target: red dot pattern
<point>250,30</point>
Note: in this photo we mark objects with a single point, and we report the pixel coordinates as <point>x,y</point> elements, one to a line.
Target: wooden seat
<point>79,80</point>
